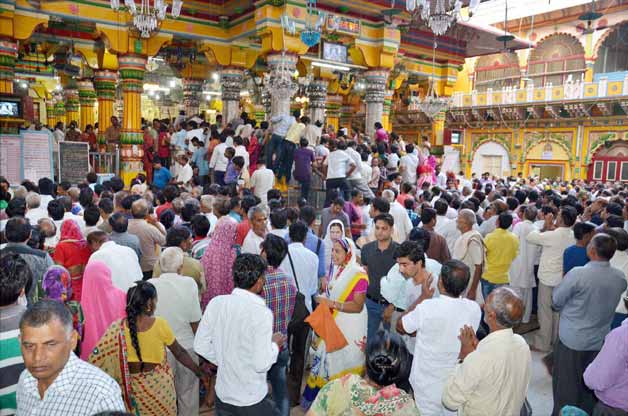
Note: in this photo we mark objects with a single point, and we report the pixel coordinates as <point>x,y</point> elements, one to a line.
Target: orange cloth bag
<point>324,324</point>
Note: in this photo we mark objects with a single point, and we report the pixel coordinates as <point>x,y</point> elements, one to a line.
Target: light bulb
<point>173,83</point>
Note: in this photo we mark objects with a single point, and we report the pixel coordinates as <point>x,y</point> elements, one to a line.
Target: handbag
<point>300,310</point>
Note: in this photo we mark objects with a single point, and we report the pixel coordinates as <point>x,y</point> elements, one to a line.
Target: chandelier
<point>146,19</point>
<point>438,15</point>
<point>432,104</point>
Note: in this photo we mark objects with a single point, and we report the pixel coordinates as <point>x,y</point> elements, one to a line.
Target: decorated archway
<point>555,58</point>
<point>490,154</point>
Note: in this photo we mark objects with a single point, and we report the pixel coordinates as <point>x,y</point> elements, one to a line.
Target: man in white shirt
<point>34,209</point>
<point>441,178</point>
<point>57,382</point>
<point>262,181</point>
<point>356,180</point>
<point>340,166</point>
<point>408,165</point>
<point>553,239</point>
<point>301,264</point>
<point>179,306</point>
<point>522,268</point>
<point>122,261</point>
<point>403,225</point>
<point>257,233</point>
<point>445,226</point>
<point>437,323</point>
<point>235,334</point>
<point>218,162</point>
<point>184,174</point>
<point>492,376</point>
<point>470,249</point>
<point>240,150</point>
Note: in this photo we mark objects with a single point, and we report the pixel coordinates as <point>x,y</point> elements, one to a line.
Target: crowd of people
<point>198,284</point>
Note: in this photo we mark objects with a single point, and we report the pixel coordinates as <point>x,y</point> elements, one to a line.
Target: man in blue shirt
<point>199,159</point>
<point>576,255</point>
<point>161,175</point>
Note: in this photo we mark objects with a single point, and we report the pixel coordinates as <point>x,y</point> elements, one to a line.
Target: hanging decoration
<point>311,35</point>
<point>432,104</point>
<point>147,19</point>
<point>438,15</point>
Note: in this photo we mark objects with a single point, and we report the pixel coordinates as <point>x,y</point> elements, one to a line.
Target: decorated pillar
<point>8,56</point>
<point>386,121</point>
<point>87,99</point>
<point>281,82</point>
<point>334,103</point>
<point>50,113</point>
<point>105,86</point>
<point>266,102</point>
<point>438,129</point>
<point>72,106</point>
<point>231,81</point>
<point>59,109</point>
<point>374,98</point>
<point>131,69</point>
<point>192,89</point>
<point>317,94</point>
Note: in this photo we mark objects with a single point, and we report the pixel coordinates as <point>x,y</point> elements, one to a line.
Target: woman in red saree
<point>72,252</point>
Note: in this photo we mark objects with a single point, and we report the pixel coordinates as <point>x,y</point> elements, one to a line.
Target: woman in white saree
<point>335,231</point>
<point>346,294</point>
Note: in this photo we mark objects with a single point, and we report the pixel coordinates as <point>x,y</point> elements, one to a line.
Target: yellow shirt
<point>295,132</point>
<point>502,247</point>
<point>152,342</point>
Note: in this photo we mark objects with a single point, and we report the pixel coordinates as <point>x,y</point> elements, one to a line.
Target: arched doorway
<point>497,71</point>
<point>548,160</point>
<point>610,163</point>
<point>491,157</point>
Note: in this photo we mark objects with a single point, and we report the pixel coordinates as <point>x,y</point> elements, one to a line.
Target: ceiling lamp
<point>146,19</point>
<point>432,104</point>
<point>438,15</point>
<point>311,35</point>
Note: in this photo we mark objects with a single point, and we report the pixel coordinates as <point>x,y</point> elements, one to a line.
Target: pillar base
<point>130,160</point>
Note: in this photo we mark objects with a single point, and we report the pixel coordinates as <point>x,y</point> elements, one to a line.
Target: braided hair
<point>137,299</point>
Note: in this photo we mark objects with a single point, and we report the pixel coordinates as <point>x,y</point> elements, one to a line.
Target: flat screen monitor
<point>456,137</point>
<point>10,107</point>
<point>335,52</point>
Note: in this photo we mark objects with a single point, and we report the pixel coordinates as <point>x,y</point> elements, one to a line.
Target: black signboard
<point>73,161</point>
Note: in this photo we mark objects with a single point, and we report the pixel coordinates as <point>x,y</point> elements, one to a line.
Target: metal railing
<point>107,162</point>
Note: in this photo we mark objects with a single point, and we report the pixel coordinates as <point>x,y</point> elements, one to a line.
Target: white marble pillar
<point>280,82</point>
<point>374,98</point>
<point>231,81</point>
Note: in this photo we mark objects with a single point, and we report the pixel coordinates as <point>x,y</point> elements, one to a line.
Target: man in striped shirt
<point>14,277</point>
<point>280,294</point>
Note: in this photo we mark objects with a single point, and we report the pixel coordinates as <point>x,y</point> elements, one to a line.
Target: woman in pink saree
<point>218,260</point>
<point>102,303</point>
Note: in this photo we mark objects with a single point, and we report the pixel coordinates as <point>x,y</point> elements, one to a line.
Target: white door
<point>492,164</point>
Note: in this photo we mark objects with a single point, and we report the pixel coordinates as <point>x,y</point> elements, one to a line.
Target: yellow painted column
<point>50,113</point>
<point>72,106</point>
<point>131,69</point>
<point>334,102</point>
<point>87,98</point>
<point>59,109</point>
<point>105,86</point>
<point>8,56</point>
<point>386,121</point>
<point>438,129</point>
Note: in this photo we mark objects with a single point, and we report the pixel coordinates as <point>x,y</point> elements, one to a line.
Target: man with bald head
<point>586,299</point>
<point>150,233</point>
<point>469,249</point>
<point>492,376</point>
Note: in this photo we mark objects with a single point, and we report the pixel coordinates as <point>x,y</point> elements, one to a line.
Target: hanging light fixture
<point>311,35</point>
<point>146,19</point>
<point>432,104</point>
<point>438,15</point>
